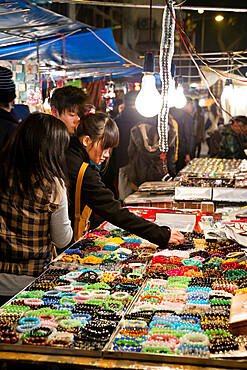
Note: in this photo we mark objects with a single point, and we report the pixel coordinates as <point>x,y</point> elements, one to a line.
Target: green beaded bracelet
<point>113,304</point>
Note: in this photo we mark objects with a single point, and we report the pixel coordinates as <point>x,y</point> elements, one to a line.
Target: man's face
<point>190,106</point>
<point>69,118</point>
<point>237,126</point>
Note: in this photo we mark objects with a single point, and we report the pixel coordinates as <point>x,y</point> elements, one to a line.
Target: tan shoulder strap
<point>78,190</point>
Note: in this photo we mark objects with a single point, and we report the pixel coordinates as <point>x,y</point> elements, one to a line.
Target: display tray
<point>229,194</point>
<point>193,193</point>
<point>230,363</point>
<point>50,350</point>
<point>146,197</point>
<point>158,187</point>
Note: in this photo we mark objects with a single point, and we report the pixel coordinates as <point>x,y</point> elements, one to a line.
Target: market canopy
<point>32,33</point>
<point>23,22</point>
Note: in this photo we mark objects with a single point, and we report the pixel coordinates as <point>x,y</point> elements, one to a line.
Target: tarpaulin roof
<point>28,32</point>
<point>21,22</point>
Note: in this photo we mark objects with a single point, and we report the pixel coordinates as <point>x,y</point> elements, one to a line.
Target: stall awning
<point>22,22</point>
<point>28,33</point>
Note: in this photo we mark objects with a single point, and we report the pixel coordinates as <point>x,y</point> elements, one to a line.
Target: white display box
<point>193,193</point>
<point>182,222</point>
<point>230,194</point>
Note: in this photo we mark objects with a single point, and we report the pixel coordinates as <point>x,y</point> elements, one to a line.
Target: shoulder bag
<point>81,224</point>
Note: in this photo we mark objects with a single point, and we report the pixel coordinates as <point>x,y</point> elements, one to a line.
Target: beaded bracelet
<point>59,343</point>
<point>43,331</point>
<point>120,295</point>
<point>39,341</point>
<point>30,320</point>
<point>195,339</point>
<point>33,302</point>
<point>81,316</point>
<point>100,294</point>
<point>27,327</point>
<point>69,337</point>
<point>133,324</point>
<point>67,301</point>
<point>64,288</point>
<point>71,323</point>
<point>151,299</point>
<point>113,304</point>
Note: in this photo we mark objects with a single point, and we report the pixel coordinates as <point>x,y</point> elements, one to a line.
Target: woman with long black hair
<point>33,201</point>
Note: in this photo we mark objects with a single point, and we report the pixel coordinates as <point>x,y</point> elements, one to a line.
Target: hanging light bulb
<point>180,100</point>
<point>148,101</point>
<point>172,94</point>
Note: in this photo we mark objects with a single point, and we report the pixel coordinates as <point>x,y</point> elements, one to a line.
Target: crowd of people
<point>77,152</point>
<point>41,159</point>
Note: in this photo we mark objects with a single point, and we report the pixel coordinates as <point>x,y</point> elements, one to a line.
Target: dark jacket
<point>232,145</point>
<point>127,119</point>
<point>185,132</point>
<point>199,127</point>
<point>186,138</point>
<point>7,126</point>
<point>145,163</point>
<point>95,195</point>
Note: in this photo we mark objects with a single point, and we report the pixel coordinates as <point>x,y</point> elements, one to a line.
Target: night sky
<point>228,35</point>
<point>218,3</point>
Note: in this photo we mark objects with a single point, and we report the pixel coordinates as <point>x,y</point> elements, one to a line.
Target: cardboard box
<point>238,315</point>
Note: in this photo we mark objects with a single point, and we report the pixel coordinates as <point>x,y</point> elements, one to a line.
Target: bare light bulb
<point>148,101</point>
<point>180,101</point>
<point>172,94</point>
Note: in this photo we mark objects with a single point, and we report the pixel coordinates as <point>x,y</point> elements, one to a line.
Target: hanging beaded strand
<point>166,53</point>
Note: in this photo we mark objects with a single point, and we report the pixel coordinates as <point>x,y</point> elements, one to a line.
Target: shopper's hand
<point>176,237</point>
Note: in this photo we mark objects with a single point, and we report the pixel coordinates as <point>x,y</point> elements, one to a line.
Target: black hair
<point>35,153</point>
<point>68,97</point>
<point>130,98</point>
<point>239,119</point>
<point>198,109</point>
<point>98,126</point>
<point>4,105</point>
<point>213,109</point>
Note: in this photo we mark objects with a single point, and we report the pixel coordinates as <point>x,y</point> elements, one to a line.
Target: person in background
<point>20,111</point>
<point>8,123</point>
<point>96,135</point>
<point>145,163</point>
<point>144,154</point>
<point>117,108</point>
<point>196,103</point>
<point>216,138</point>
<point>173,143</point>
<point>232,144</point>
<point>185,121</point>
<point>199,130</point>
<point>211,124</point>
<point>33,201</point>
<point>128,118</point>
<point>64,105</point>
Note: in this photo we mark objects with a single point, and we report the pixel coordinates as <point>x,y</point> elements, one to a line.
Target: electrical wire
<point>199,69</point>
<point>115,52</point>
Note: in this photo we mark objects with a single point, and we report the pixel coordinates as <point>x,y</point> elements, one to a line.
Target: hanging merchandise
<point>166,53</point>
<point>109,95</point>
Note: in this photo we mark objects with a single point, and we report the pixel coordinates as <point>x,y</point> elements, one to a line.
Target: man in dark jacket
<point>185,121</point>
<point>232,144</point>
<point>127,119</point>
<point>8,123</point>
